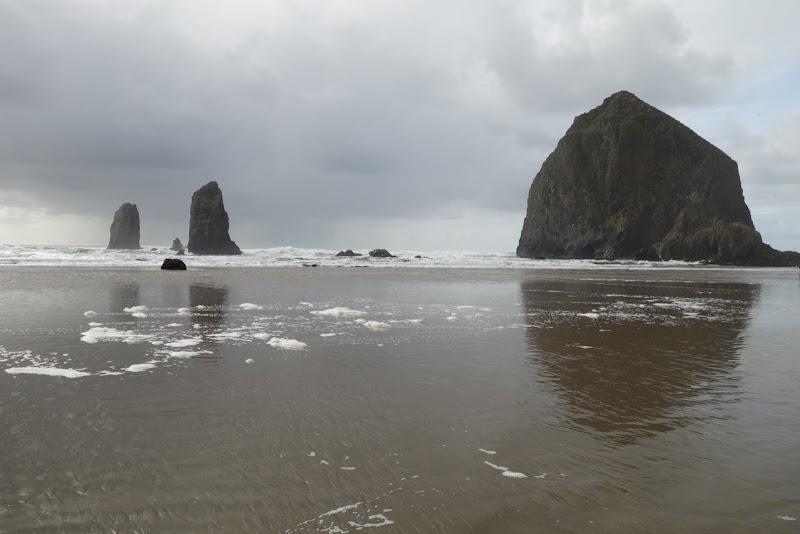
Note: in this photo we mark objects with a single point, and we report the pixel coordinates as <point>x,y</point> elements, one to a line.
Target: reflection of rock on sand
<point>208,304</point>
<point>123,296</point>
<point>638,376</point>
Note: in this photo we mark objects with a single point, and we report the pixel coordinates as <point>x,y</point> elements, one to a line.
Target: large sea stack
<point>125,228</point>
<point>629,181</point>
<point>208,223</point>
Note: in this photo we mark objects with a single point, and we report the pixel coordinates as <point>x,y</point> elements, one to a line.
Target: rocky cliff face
<point>208,223</point>
<point>125,228</point>
<point>629,181</point>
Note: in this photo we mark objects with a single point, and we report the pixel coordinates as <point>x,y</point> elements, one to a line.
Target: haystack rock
<point>208,223</point>
<point>125,228</point>
<point>628,181</point>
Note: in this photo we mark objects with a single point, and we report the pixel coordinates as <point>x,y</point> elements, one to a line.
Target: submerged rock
<point>381,253</point>
<point>125,228</point>
<point>172,264</point>
<point>347,254</point>
<point>629,181</point>
<point>208,223</point>
<point>176,245</point>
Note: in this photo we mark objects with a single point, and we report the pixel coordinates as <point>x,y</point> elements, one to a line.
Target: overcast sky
<point>402,124</point>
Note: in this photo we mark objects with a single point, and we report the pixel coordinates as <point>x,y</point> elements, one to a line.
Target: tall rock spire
<point>125,228</point>
<point>208,223</point>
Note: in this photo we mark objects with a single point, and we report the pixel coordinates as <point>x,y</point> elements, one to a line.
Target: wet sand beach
<point>399,400</point>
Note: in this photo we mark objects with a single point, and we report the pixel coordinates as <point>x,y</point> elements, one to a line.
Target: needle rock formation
<point>125,228</point>
<point>208,223</point>
<point>629,181</point>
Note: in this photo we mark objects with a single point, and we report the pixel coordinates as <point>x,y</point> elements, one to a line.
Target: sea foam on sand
<point>250,306</point>
<point>47,371</point>
<point>181,343</point>
<point>339,311</point>
<point>286,344</point>
<point>376,326</point>
<point>506,472</point>
<point>182,354</point>
<point>104,333</point>
<point>139,367</point>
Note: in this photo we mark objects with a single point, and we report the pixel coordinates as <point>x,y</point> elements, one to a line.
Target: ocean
<point>459,392</point>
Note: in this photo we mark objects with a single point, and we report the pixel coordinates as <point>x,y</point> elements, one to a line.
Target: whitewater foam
<point>339,311</point>
<point>71,256</point>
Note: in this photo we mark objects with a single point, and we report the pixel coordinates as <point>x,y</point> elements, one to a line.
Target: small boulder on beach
<point>381,253</point>
<point>172,264</point>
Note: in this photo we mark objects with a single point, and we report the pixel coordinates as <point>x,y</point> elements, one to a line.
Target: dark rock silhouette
<point>125,228</point>
<point>347,254</point>
<point>629,181</point>
<point>172,264</point>
<point>208,223</point>
<point>176,245</point>
<point>381,253</point>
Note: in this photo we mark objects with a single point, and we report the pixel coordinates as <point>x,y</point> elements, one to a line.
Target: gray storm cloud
<point>322,119</point>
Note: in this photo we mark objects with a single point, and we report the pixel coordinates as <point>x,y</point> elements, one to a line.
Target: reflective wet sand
<point>424,401</point>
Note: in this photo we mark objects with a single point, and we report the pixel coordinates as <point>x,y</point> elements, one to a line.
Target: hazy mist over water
<point>405,125</point>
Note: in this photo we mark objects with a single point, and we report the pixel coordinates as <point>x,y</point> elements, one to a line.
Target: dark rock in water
<point>629,181</point>
<point>153,249</point>
<point>766,256</point>
<point>125,228</point>
<point>311,265</point>
<point>208,223</point>
<point>172,264</point>
<point>176,245</point>
<point>647,254</point>
<point>381,253</point>
<point>347,254</point>
<point>417,257</point>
